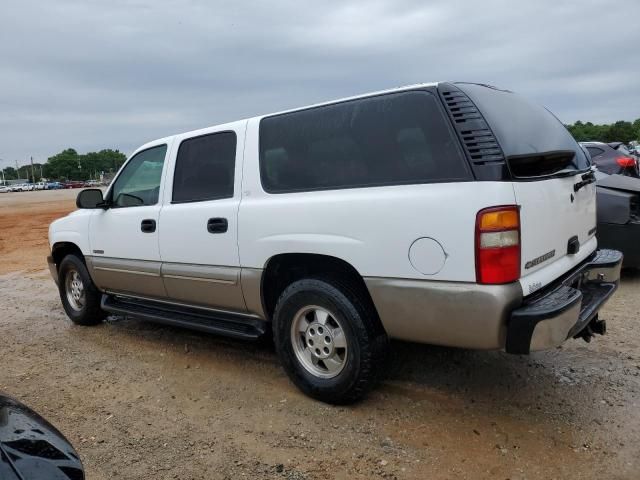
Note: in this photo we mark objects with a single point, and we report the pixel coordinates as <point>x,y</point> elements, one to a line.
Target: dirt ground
<point>143,401</point>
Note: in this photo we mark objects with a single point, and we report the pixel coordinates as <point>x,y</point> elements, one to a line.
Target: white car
<point>450,214</point>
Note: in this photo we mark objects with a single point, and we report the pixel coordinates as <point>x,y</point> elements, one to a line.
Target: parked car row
<point>28,187</point>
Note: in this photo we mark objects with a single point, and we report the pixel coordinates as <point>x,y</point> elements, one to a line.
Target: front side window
<point>205,168</point>
<point>391,139</point>
<point>139,183</point>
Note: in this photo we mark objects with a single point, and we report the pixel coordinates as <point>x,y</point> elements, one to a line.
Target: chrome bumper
<point>490,317</point>
<point>566,307</point>
<point>454,314</point>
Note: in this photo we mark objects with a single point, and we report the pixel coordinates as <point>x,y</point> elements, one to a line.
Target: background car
<point>4,189</point>
<point>612,158</point>
<point>53,186</point>
<point>73,184</point>
<point>618,207</point>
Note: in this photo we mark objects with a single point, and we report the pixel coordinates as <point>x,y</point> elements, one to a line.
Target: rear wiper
<point>568,172</point>
<point>587,178</point>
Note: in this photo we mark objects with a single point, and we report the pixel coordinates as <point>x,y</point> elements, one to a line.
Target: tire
<point>340,366</point>
<point>80,300</point>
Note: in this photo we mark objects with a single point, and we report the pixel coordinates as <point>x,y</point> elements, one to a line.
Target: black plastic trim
<point>524,320</point>
<point>478,141</point>
<point>222,323</point>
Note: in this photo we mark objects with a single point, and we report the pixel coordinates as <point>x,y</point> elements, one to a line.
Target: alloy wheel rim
<point>74,288</point>
<point>319,341</point>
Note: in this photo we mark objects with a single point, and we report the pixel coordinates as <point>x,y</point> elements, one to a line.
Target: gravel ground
<point>139,400</point>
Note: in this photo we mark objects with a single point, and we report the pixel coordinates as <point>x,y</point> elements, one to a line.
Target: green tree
<point>10,173</point>
<point>621,131</point>
<point>69,165</point>
<point>64,166</point>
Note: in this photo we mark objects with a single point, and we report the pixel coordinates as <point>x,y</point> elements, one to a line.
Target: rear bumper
<point>565,308</point>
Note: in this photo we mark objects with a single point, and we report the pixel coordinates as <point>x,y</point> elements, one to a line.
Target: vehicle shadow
<point>493,380</point>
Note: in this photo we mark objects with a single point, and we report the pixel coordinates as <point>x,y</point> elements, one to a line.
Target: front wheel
<point>80,297</point>
<point>327,340</point>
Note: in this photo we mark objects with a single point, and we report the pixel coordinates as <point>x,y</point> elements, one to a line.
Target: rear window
<point>595,151</point>
<point>385,140</point>
<point>533,140</point>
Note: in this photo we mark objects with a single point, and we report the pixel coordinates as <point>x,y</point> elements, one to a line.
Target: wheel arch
<point>61,249</point>
<point>285,268</point>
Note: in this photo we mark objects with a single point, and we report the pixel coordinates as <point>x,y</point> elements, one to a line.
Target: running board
<point>221,323</point>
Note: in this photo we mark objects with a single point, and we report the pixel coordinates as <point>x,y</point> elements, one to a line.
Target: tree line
<point>621,131</point>
<point>70,165</point>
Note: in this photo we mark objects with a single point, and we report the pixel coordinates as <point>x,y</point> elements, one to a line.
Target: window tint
<point>524,129</point>
<point>139,183</point>
<point>386,140</point>
<point>205,168</point>
<point>594,151</point>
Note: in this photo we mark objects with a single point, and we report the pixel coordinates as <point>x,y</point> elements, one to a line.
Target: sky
<point>94,74</point>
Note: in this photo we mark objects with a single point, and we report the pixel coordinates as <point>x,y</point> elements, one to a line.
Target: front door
<point>198,223</point>
<point>125,256</point>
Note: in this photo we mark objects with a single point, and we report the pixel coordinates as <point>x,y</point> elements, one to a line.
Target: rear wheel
<point>327,339</point>
<point>80,297</point>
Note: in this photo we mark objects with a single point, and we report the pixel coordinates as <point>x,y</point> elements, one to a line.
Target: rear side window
<point>205,168</point>
<point>595,151</point>
<point>386,140</point>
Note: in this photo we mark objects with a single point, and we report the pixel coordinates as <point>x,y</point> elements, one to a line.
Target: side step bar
<point>221,323</point>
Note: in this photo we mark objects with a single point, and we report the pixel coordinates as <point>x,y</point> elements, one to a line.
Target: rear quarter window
<point>527,132</point>
<point>595,151</point>
<point>392,139</point>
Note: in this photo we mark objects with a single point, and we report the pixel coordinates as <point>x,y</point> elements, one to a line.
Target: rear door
<point>550,175</point>
<point>558,227</point>
<point>198,223</point>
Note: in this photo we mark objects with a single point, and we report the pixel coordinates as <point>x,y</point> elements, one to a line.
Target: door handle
<point>217,225</point>
<point>148,226</point>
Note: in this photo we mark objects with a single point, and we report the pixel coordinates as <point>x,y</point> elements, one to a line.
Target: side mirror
<point>90,198</point>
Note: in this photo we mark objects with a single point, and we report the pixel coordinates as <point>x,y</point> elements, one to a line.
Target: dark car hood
<point>619,182</point>
<point>33,449</point>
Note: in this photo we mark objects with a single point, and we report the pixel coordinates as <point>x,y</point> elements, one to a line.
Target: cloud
<point>91,74</point>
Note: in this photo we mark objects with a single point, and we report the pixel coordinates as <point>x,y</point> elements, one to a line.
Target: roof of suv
<point>201,131</point>
<point>320,104</point>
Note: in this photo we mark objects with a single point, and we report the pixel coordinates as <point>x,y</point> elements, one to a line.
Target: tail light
<point>498,245</point>
<point>626,162</point>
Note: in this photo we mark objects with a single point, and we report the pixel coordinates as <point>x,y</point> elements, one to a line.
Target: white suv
<point>450,214</point>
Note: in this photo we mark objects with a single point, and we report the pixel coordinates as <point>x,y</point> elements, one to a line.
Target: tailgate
<point>557,228</point>
<point>544,163</point>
